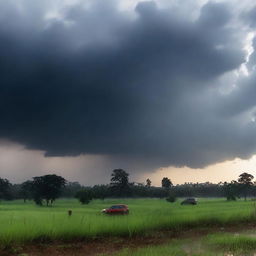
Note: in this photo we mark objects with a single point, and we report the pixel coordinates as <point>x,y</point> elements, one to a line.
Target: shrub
<point>171,198</point>
<point>84,196</point>
<point>231,198</point>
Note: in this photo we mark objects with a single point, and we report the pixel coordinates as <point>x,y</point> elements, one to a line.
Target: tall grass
<point>232,242</point>
<point>21,222</point>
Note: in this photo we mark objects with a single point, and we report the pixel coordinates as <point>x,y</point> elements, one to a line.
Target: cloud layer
<point>141,86</point>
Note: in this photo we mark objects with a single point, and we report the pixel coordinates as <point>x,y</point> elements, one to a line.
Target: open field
<point>22,223</point>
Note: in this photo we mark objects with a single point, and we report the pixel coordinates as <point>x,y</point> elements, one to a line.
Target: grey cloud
<point>242,98</point>
<point>249,17</point>
<point>101,82</point>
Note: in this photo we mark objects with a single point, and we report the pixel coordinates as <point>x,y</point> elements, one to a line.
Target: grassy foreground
<point>21,222</point>
<point>213,245</point>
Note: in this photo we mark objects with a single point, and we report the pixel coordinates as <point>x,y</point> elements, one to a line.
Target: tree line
<point>44,190</point>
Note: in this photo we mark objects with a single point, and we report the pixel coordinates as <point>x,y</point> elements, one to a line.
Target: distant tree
<point>166,183</point>
<point>254,189</point>
<point>100,191</point>
<point>171,197</point>
<point>70,189</point>
<point>14,192</point>
<point>231,190</point>
<point>245,181</point>
<point>119,184</point>
<point>5,187</point>
<point>148,183</point>
<point>84,196</point>
<point>48,188</point>
<point>26,190</point>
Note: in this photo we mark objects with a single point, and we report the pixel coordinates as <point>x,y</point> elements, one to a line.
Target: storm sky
<point>92,85</point>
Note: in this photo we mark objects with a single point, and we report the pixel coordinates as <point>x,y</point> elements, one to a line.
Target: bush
<point>171,198</point>
<point>231,198</point>
<point>84,196</point>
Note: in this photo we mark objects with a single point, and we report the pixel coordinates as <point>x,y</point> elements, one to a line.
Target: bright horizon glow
<point>220,172</point>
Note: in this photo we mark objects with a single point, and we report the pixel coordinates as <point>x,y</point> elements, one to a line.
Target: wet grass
<point>225,244</point>
<point>21,223</point>
<point>232,242</point>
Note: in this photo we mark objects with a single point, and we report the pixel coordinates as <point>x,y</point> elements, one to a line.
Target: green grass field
<point>21,222</point>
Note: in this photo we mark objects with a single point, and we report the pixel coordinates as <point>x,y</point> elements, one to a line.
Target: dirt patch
<point>88,248</point>
<point>78,248</point>
<point>114,244</point>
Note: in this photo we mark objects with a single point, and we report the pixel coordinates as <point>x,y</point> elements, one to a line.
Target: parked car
<point>117,209</point>
<point>191,200</point>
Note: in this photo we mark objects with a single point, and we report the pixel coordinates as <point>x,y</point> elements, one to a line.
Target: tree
<point>171,197</point>
<point>119,184</point>
<point>70,189</point>
<point>5,187</point>
<point>26,190</point>
<point>48,188</point>
<point>166,183</point>
<point>231,190</point>
<point>100,191</point>
<point>245,181</point>
<point>84,196</point>
<point>148,183</point>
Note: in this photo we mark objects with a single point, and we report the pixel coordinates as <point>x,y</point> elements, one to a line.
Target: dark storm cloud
<point>99,81</point>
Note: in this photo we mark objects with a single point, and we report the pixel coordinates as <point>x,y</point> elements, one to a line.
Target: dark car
<point>117,209</point>
<point>192,201</point>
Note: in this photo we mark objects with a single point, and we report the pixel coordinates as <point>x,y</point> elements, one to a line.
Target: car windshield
<point>116,207</point>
